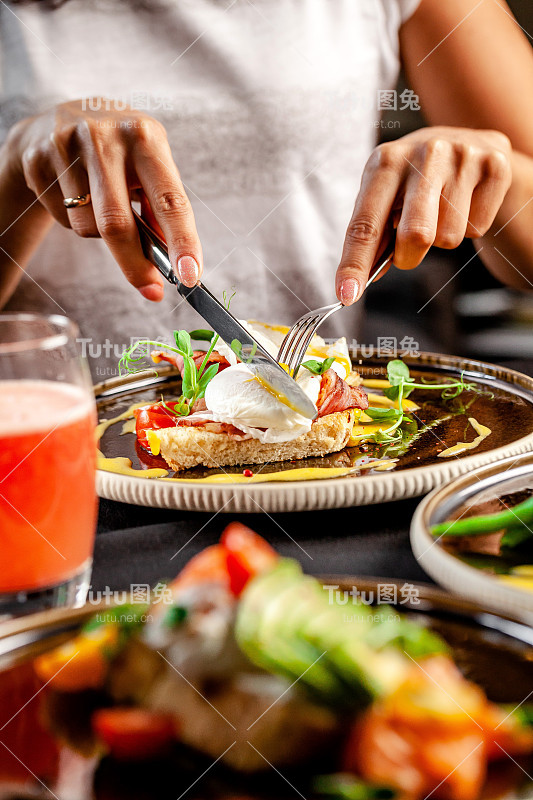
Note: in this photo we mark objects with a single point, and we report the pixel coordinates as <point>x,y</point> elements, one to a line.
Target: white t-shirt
<point>271,110</point>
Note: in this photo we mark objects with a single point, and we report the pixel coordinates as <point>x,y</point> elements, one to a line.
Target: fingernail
<point>349,291</point>
<point>188,271</point>
<point>152,291</point>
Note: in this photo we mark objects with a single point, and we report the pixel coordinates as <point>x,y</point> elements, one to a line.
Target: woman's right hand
<point>71,150</point>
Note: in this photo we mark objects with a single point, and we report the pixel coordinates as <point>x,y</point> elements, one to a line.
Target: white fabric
<point>271,114</point>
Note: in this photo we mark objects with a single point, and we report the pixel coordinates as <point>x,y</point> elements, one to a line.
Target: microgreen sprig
<point>194,379</point>
<point>401,386</point>
<point>318,367</point>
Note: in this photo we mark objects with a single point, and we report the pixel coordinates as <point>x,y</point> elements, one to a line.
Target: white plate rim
<point>453,574</point>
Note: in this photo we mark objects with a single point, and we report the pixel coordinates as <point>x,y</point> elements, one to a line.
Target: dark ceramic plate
<point>506,407</point>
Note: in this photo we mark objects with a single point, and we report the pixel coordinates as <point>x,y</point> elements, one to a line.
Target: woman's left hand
<point>439,184</point>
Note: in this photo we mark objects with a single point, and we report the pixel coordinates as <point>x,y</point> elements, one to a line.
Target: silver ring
<point>76,202</point>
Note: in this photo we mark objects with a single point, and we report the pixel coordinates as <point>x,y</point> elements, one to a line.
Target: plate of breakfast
<point>245,678</point>
<point>195,429</point>
<point>474,536</point>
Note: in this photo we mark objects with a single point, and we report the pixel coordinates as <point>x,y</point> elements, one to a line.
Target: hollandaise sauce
<point>123,466</point>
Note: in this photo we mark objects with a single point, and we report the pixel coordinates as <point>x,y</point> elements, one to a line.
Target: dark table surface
<point>143,545</point>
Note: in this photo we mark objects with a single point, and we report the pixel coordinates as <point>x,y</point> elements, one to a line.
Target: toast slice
<point>186,447</point>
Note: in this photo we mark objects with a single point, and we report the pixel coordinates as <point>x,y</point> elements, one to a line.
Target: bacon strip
<point>212,427</point>
<point>336,395</point>
<point>198,358</point>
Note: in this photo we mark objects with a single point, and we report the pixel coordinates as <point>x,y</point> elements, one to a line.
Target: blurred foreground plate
<point>494,651</point>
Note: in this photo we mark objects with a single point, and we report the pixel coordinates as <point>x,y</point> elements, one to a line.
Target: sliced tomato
<point>134,733</point>
<point>151,418</point>
<point>248,554</point>
<point>208,566</point>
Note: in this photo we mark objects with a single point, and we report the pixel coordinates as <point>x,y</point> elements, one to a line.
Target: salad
<point>257,666</point>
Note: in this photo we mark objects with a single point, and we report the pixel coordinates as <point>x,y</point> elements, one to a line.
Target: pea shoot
<point>194,379</point>
<point>318,367</point>
<point>401,385</point>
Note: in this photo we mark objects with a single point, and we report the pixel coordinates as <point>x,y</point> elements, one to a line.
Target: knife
<point>257,359</point>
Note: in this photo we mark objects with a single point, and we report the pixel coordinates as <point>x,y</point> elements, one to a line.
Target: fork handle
<point>378,270</point>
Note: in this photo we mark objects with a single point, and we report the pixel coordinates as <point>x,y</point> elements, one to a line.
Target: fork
<point>294,346</point>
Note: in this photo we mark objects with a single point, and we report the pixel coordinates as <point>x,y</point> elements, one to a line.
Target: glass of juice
<point>47,465</point>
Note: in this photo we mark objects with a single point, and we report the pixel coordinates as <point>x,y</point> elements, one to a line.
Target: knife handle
<point>155,249</point>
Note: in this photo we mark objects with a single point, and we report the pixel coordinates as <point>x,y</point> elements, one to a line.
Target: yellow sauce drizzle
<point>517,581</point>
<point>366,427</point>
<point>460,447</point>
<point>128,427</point>
<point>106,423</point>
<point>525,570</point>
<point>365,431</point>
<point>122,466</point>
<point>381,401</point>
<point>278,395</point>
<point>376,383</point>
<point>300,474</point>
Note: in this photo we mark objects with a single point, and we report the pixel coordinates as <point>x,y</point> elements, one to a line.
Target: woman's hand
<point>438,184</point>
<point>109,153</point>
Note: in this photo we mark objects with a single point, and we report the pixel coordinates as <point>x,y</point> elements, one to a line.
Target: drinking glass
<point>47,465</point>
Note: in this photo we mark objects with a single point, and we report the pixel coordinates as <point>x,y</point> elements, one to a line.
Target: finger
<point>379,188</point>
<point>148,214</point>
<point>489,194</point>
<point>74,182</point>
<point>164,190</point>
<point>418,222</point>
<point>454,212</point>
<point>116,225</point>
<point>42,179</point>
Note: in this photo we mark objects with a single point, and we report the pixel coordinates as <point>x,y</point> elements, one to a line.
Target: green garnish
<point>516,521</point>
<point>401,386</point>
<point>341,786</point>
<point>382,413</point>
<point>515,536</point>
<point>179,409</point>
<point>175,616</point>
<point>524,715</point>
<point>318,367</point>
<point>195,379</point>
<point>201,335</point>
<point>236,346</point>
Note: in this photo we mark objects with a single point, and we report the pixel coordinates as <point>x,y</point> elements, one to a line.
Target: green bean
<point>476,526</point>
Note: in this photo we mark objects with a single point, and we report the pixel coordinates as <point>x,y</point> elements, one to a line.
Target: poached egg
<point>236,397</point>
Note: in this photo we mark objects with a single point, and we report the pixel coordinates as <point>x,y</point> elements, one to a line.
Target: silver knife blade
<point>257,359</point>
